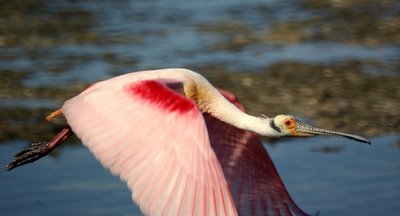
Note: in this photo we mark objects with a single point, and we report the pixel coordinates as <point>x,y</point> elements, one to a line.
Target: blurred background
<point>335,64</point>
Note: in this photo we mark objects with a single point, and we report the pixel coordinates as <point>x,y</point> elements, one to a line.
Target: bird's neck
<point>229,113</point>
<point>210,100</point>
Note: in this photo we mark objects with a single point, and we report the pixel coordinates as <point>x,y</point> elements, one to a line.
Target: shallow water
<point>49,50</point>
<point>355,179</point>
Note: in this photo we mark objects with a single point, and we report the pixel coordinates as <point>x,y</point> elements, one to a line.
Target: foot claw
<point>35,151</point>
<point>30,147</point>
<point>30,154</point>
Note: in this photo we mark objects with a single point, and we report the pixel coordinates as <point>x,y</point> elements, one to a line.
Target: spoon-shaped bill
<point>308,130</point>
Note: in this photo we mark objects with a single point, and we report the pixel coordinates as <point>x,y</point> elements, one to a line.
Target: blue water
<point>159,34</point>
<point>72,184</point>
<point>355,180</point>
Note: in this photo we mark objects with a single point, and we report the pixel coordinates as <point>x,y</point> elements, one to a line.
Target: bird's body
<point>182,146</point>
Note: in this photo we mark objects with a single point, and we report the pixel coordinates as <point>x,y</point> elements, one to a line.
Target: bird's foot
<point>39,149</point>
<point>33,152</point>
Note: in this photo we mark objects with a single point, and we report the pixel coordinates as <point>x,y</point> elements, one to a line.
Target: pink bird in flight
<point>183,146</point>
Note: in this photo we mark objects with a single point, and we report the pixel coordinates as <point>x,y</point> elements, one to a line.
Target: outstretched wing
<point>156,140</point>
<point>255,184</point>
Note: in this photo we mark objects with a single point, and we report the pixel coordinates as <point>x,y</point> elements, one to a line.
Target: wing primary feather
<point>264,201</point>
<point>156,189</point>
<point>205,198</point>
<point>156,177</point>
<point>222,201</point>
<point>184,209</point>
<point>240,187</point>
<point>178,191</point>
<point>214,202</point>
<point>195,200</point>
<point>169,183</point>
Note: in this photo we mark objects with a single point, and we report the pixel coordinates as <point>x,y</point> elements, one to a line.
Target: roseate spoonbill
<point>182,146</point>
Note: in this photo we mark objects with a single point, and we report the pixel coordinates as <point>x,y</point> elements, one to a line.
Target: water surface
<point>354,179</point>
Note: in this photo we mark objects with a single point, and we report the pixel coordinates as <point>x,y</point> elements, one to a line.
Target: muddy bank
<point>340,97</point>
<point>360,22</point>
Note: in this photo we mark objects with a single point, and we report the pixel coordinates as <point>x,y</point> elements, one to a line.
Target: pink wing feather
<point>254,182</point>
<point>156,140</point>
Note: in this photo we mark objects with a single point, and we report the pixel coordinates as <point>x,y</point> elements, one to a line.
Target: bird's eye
<point>289,123</point>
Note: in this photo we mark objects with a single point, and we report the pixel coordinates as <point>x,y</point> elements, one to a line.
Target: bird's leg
<point>39,149</point>
<point>54,114</point>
